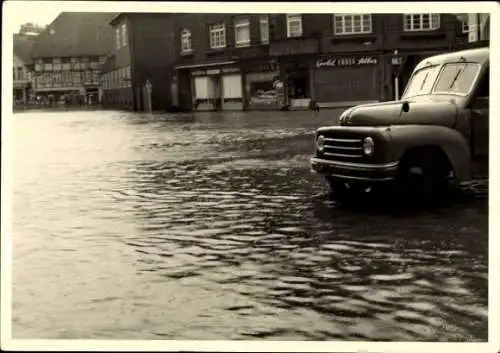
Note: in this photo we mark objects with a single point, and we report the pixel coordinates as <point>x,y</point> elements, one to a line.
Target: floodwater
<point>212,227</point>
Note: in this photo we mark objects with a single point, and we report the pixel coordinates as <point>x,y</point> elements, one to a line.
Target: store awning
<point>196,66</point>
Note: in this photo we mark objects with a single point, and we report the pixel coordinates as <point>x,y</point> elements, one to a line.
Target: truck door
<point>480,125</point>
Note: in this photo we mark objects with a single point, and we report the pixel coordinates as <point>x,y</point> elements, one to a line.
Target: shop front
<point>347,79</point>
<point>217,88</point>
<point>261,89</point>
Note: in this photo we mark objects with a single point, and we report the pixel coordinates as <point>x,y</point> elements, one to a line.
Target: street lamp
<point>396,80</point>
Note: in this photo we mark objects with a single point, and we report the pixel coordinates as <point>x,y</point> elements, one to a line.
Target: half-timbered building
<point>67,57</point>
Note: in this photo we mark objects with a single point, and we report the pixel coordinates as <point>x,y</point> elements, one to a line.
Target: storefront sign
<point>209,72</point>
<point>397,60</point>
<point>263,67</point>
<point>346,61</point>
<point>230,70</point>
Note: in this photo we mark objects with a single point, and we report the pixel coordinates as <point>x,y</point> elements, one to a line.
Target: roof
<point>479,55</point>
<point>76,34</point>
<point>23,46</point>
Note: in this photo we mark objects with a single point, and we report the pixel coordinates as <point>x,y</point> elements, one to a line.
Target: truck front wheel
<point>422,178</point>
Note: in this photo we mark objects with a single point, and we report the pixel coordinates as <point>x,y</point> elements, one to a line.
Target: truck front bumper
<point>355,171</point>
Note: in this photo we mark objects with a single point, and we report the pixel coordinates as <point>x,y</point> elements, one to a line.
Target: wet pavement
<point>212,227</point>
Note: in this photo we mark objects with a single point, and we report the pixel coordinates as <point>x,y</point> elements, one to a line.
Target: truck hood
<point>423,112</point>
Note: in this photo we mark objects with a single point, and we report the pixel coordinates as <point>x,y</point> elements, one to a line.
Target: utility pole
<point>149,89</point>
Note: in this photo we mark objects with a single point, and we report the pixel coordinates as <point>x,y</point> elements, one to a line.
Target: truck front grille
<point>342,148</point>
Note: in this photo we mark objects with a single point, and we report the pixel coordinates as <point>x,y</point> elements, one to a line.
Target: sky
<point>41,12</point>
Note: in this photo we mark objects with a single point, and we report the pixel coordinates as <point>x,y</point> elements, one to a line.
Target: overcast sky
<point>44,12</point>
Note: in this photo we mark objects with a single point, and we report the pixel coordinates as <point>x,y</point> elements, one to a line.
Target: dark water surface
<point>213,227</point>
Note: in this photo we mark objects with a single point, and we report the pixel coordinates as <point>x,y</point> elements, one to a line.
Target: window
<point>75,63</point>
<point>217,35</point>
<point>66,65</point>
<point>186,44</point>
<point>264,29</point>
<point>47,67</point>
<point>421,22</point>
<point>84,63</point>
<point>94,63</point>
<point>421,82</point>
<point>124,35</point>
<point>457,78</point>
<point>465,25</point>
<point>294,25</point>
<point>242,32</point>
<point>20,73</point>
<point>352,23</point>
<point>118,38</point>
<point>57,64</point>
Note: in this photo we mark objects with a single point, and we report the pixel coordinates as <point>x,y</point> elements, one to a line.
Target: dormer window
<point>186,43</point>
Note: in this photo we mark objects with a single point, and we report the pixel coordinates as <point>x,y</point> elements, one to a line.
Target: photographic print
<point>248,176</point>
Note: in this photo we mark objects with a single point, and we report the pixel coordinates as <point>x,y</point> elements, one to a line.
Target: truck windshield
<point>456,78</point>
<point>421,82</point>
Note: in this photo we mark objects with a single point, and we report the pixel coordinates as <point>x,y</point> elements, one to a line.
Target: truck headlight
<point>368,146</point>
<point>320,143</point>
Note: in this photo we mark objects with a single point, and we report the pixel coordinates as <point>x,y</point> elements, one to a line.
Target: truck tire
<point>422,178</point>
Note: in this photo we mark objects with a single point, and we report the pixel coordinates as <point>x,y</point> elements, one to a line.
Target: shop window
<point>421,22</point>
<point>217,35</point>
<point>231,86</point>
<point>186,43</point>
<point>294,25</point>
<point>242,32</point>
<point>118,38</point>
<point>352,24</point>
<point>264,29</point>
<point>124,35</point>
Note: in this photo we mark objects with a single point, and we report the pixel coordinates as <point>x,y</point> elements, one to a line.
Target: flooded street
<point>212,227</point>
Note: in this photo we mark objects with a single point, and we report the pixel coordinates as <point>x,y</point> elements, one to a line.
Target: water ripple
<point>212,227</point>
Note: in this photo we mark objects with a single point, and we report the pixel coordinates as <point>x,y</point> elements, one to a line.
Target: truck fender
<point>450,141</point>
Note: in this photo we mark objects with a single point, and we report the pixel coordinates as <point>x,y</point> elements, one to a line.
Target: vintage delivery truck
<point>435,136</point>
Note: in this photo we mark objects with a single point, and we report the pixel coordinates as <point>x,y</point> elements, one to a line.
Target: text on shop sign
<point>349,61</point>
<point>214,71</point>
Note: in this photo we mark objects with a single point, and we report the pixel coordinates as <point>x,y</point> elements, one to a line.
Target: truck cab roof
<point>478,55</point>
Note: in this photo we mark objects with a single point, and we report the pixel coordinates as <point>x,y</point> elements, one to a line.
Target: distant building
<point>142,54</point>
<point>31,29</point>
<point>68,55</point>
<point>478,27</point>
<point>22,68</point>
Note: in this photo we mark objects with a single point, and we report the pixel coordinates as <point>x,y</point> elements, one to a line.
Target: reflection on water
<point>212,227</point>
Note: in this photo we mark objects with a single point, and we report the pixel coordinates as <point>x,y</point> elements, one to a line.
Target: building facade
<point>224,63</point>
<point>259,61</point>
<point>138,71</point>
<point>200,62</point>
<point>67,58</point>
<point>22,69</point>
